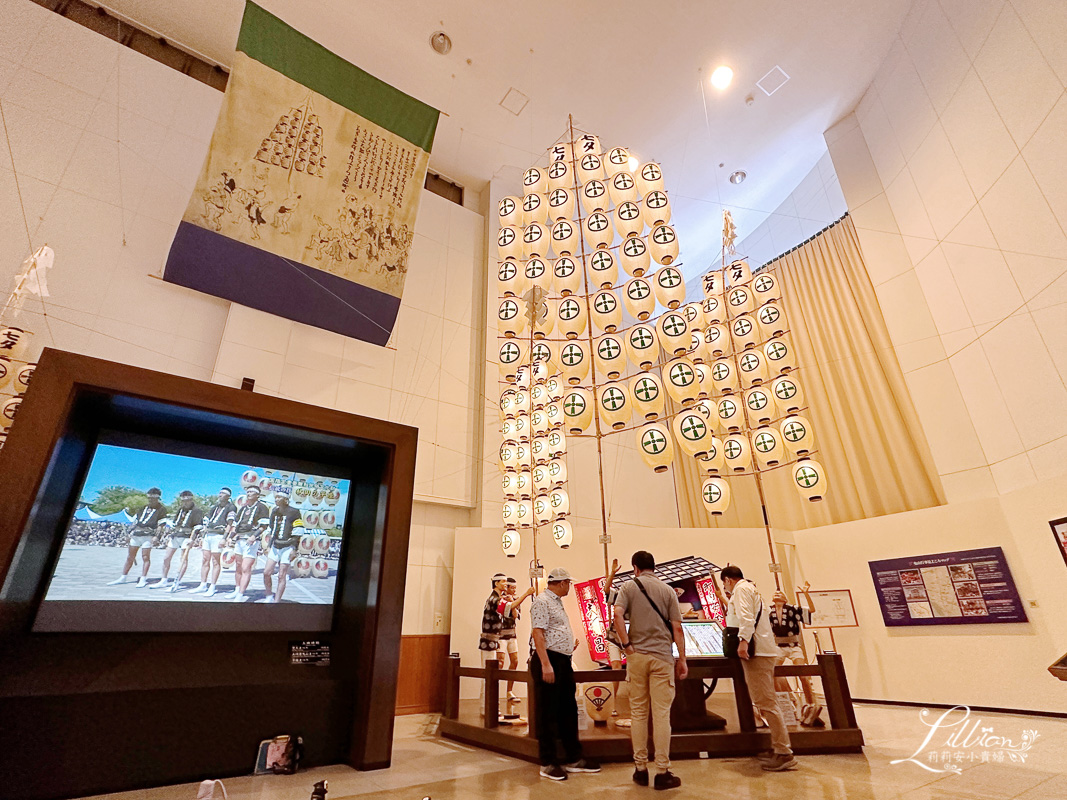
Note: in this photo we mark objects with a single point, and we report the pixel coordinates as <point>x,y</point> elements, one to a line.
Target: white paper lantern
<point>560,175</point>
<point>759,405</point>
<point>538,395</point>
<point>509,320</point>
<point>564,236</point>
<point>7,373</point>
<point>730,414</point>
<point>767,447</point>
<point>557,444</point>
<point>509,543</point>
<point>642,346</point>
<point>797,435</point>
<point>598,230</point>
<point>542,509</point>
<point>743,332</point>
<point>715,494</point>
<point>544,317</point>
<point>694,315</point>
<point>780,355</point>
<point>765,287</point>
<point>507,278</point>
<point>510,357</point>
<point>634,256</point>
<point>539,423</point>
<point>648,396</point>
<point>590,167</point>
<point>714,283</point>
<point>692,433</point>
<point>557,471</point>
<point>508,456</point>
<point>669,287</point>
<point>542,352</point>
<point>622,187</point>
<point>559,502</point>
<point>627,219</point>
<point>607,313</point>
<point>535,241</point>
<point>738,273</point>
<point>539,450</point>
<point>561,151</point>
<point>609,356</point>
<point>618,161</point>
<point>649,178</point>
<point>594,196</point>
<point>725,377</point>
<point>657,448</point>
<point>603,269</point>
<point>507,400</point>
<point>566,279</point>
<point>680,381</point>
<point>521,402</point>
<point>714,461</point>
<point>522,457</point>
<point>534,180</point>
<point>560,204</point>
<point>716,340</point>
<point>752,367</point>
<point>542,483</point>
<point>585,144</point>
<point>809,478</point>
<point>705,384</point>
<point>638,299</point>
<point>509,212</point>
<point>656,208</point>
<point>698,351</point>
<point>555,386</point>
<point>738,452</point>
<point>534,209</point>
<point>508,485</point>
<point>562,533</point>
<point>673,333</point>
<point>714,310</point>
<point>663,244</point>
<point>521,427</point>
<point>577,410</point>
<point>788,394</point>
<point>573,319</point>
<point>536,271</point>
<point>771,320</point>
<point>616,407</point>
<point>508,242</point>
<point>554,411</point>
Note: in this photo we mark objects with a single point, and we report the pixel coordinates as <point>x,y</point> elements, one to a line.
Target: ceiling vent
<point>773,81</point>
<point>514,101</point>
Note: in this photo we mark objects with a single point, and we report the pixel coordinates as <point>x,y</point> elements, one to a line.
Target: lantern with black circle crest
<point>557,444</point>
<point>633,253</point>
<point>509,320</point>
<point>574,358</point>
<point>564,236</point>
<point>694,315</point>
<point>577,410</point>
<point>562,533</point>
<point>809,478</point>
<point>622,187</point>
<point>724,376</point>
<point>557,471</point>
<point>697,351</point>
<point>509,543</point>
<point>539,449</point>
<point>692,433</point>
<point>771,320</point>
<point>508,242</point>
<point>510,357</point>
<point>670,287</point>
<point>594,196</point>
<point>759,406</point>
<point>539,422</point>
<point>627,217</point>
<point>738,273</point>
<point>508,485</point>
<point>642,346</point>
<point>638,299</point>
<point>656,446</point>
<point>663,244</point>
<point>542,483</point>
<point>560,502</point>
<point>649,399</point>
<point>609,356</point>
<point>524,483</point>
<point>739,300</point>
<point>705,385</point>
<point>714,461</point>
<point>534,180</point>
<point>743,332</point>
<point>541,352</point>
<point>780,355</point>
<point>715,494</point>
<point>560,175</point>
<point>509,212</point>
<point>767,446</point>
<point>716,340</point>
<point>590,167</point>
<point>713,310</point>
<point>738,452</point>
<point>560,204</point>
<point>566,279</point>
<point>510,515</point>
<point>536,271</point>
<point>538,396</point>
<point>765,288</point>
<point>752,368</point>
<point>788,394</point>
<point>598,230</point>
<point>616,407</point>
<point>534,209</point>
<point>797,435</point>
<point>607,314</point>
<point>649,178</point>
<point>673,333</point>
<point>680,381</point>
<point>618,160</point>
<point>507,276</point>
<point>509,456</point>
<point>542,509</point>
<point>656,208</point>
<point>507,407</point>
<point>535,240</point>
<point>572,317</point>
<point>729,414</point>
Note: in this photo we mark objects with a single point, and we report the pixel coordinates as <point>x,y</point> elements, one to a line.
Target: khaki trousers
<point>651,683</point>
<point>759,676</point>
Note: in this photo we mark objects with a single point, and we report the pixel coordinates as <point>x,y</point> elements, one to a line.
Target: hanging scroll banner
<point>306,204</point>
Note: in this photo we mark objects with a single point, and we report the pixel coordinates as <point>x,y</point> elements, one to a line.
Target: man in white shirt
<point>759,654</point>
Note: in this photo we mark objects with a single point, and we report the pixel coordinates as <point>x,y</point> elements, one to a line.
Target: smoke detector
<point>738,177</point>
<point>441,43</point>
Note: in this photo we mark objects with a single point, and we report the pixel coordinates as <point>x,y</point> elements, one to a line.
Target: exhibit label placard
<point>968,587</point>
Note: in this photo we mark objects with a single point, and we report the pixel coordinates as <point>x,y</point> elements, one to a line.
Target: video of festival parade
<point>155,526</point>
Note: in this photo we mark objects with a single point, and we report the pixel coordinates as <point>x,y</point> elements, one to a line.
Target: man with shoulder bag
<point>749,636</point>
<point>651,667</point>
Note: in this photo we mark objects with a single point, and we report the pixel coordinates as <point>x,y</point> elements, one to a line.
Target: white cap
<point>559,574</point>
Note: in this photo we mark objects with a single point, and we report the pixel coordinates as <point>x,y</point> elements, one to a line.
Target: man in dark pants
<point>552,645</point>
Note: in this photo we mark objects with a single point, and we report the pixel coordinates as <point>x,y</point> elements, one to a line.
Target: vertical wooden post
<point>492,694</point>
<point>452,688</point>
<point>838,697</point>
<point>531,705</point>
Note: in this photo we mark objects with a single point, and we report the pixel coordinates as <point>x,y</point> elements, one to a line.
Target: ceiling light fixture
<point>738,177</point>
<point>440,43</point>
<point>633,163</point>
<point>721,77</point>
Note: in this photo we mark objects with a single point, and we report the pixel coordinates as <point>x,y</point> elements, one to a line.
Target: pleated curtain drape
<point>867,432</point>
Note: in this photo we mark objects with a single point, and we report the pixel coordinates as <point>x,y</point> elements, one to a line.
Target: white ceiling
<point>628,71</point>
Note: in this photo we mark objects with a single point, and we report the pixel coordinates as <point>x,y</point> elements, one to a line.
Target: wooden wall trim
<point>422,676</point>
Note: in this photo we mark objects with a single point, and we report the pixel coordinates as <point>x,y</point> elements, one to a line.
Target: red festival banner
<point>590,596</point>
<point>709,601</point>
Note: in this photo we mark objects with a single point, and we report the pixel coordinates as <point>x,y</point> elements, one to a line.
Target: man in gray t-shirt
<point>651,667</point>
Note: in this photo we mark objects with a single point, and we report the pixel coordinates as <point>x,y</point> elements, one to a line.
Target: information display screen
<point>702,638</point>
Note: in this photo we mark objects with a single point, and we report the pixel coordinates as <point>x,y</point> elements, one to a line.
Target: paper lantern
<point>511,352</point>
<point>574,357</point>
<point>622,188</point>
<point>555,414</point>
<point>560,175</point>
<point>759,406</point>
<point>590,167</point>
<point>542,509</point>
<point>534,180</point>
<point>509,514</point>
<point>809,478</point>
<point>520,427</point>
<point>555,386</point>
<point>694,315</point>
<point>607,314</point>
<point>508,486</point>
<point>597,229</point>
<point>560,204</point>
<point>771,320</point>
<point>509,543</point>
<point>302,567</point>
<point>507,278</point>
<point>657,208</point>
<point>521,402</point>
<point>724,376</point>
<point>657,448</point>
<point>714,283</point>
<point>577,410</point>
<point>669,286</point>
<point>508,457</point>
<point>557,444</point>
<point>539,423</point>
<point>609,356</point>
<point>328,519</point>
<point>729,413</point>
<point>544,317</point>
<point>566,279</point>
<point>560,503</point>
<point>788,394</point>
<point>310,519</point>
<point>767,447</point>
<point>509,212</point>
<point>535,241</point>
<point>587,143</point>
<point>561,151</point>
<point>538,396</point>
<point>508,242</point>
<point>7,373</point>
<point>765,288</point>
<point>562,533</point>
<point>705,384</point>
<point>739,300</point>
<point>564,236</point>
<point>738,452</point>
<point>594,196</point>
<point>627,219</point>
<point>540,352</point>
<point>680,381</point>
<point>523,458</point>
<point>714,310</point>
<point>616,407</point>
<point>797,435</point>
<point>743,332</point>
<point>697,350</point>
<point>752,368</point>
<point>508,319</point>
<point>507,430</point>
<point>307,541</point>
<point>780,355</point>
<point>535,208</point>
<point>714,461</point>
<point>692,433</point>
<point>573,319</point>
<point>715,494</point>
<point>507,400</point>
<point>673,333</point>
<point>663,244</point>
<point>642,346</point>
<point>557,471</point>
<point>634,256</point>
<point>249,478</point>
<point>647,392</point>
<point>539,450</point>
<point>716,340</point>
<point>618,161</point>
<point>603,269</point>
<point>638,299</point>
<point>649,178</point>
<point>738,273</point>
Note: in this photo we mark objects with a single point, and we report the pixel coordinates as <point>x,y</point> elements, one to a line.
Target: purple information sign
<point>968,587</point>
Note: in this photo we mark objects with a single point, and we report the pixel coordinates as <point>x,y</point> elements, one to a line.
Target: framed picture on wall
<point>833,609</point>
<point>1059,532</point>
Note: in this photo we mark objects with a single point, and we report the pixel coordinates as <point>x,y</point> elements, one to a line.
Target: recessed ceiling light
<point>738,176</point>
<point>721,77</point>
<point>633,163</point>
<point>441,43</point>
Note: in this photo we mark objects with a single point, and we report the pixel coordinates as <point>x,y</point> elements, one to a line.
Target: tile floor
<point>425,766</point>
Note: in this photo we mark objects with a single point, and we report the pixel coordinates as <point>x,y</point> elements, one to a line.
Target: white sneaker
<point>232,595</point>
<point>142,583</point>
<point>164,583</point>
<point>268,599</point>
<point>210,592</point>
<point>201,588</point>
<point>238,598</point>
<point>176,587</point>
<point>119,580</point>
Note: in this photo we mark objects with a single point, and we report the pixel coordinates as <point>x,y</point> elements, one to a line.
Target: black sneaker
<point>780,763</point>
<point>667,780</point>
<point>553,772</point>
<point>582,765</point>
<point>641,777</point>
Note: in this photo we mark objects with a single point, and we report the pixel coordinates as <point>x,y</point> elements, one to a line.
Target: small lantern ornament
<point>715,494</point>
<point>752,367</point>
<point>564,236</point>
<point>594,196</point>
<point>566,279</point>
<point>697,350</point>
<point>622,188</point>
<point>656,445</point>
<point>670,287</point>
<point>797,435</point>
<point>539,450</point>
<point>534,208</point>
<point>716,340</point>
<point>509,212</point>
<point>639,299</point>
<point>738,452</point>
<point>642,346</point>
<point>809,478</point>
<point>507,429</point>
<point>705,384</point>
<point>534,180</point>
<point>609,356</point>
<point>714,461</point>
<point>616,407</point>
<point>628,220</point>
<point>524,484</point>
<point>585,144</point>
<point>577,410</point>
<point>520,427</point>
<point>648,396</point>
<point>767,444</point>
<point>509,320</point>
<point>560,175</point>
<point>508,242</point>
<point>535,241</point>
<point>680,381</point>
<point>536,271</point>
<point>724,376</point>
<point>598,230</point>
<point>562,533</point>
<point>633,254</point>
<point>788,395</point>
<point>507,399</point>
<point>555,414</point>
<point>673,333</point>
<point>557,471</point>
<point>663,244</point>
<point>574,358</point>
<point>7,373</point>
<point>738,273</point>
<point>509,543</point>
<point>509,514</point>
<point>759,405</point>
<point>657,208</point>
<point>780,355</point>
<point>649,178</point>
<point>692,433</point>
<point>542,484</point>
<point>618,161</point>
<point>521,401</point>
<point>508,456</point>
<point>542,509</point>
<point>555,387</point>
<point>739,300</point>
<point>714,283</point>
<point>508,486</point>
<point>590,167</point>
<point>560,204</point>
<point>508,282</point>
<point>713,308</point>
<point>729,413</point>
<point>561,151</point>
<point>694,315</point>
<point>539,423</point>
<point>559,502</point>
<point>603,269</point>
<point>573,319</point>
<point>557,444</point>
<point>771,320</point>
<point>765,288</point>
<point>607,313</point>
<point>510,357</point>
<point>743,332</point>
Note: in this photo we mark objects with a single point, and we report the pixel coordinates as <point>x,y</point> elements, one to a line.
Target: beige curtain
<point>867,433</point>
